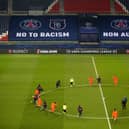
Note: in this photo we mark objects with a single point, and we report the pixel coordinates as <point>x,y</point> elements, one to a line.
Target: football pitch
<point>20,75</point>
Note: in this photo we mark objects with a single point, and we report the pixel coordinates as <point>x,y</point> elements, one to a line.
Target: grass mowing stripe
<point>102,95</point>
<point>15,85</point>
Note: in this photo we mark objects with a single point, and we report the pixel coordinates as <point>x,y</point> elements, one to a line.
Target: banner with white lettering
<point>46,28</point>
<point>114,28</point>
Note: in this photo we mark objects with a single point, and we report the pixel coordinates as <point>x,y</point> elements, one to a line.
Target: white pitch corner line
<point>102,95</point>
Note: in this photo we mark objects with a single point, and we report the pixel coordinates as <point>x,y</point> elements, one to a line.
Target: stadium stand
<point>125,4</point>
<point>87,6</point>
<point>122,6</point>
<point>54,7</point>
<point>3,5</point>
<point>118,8</point>
<point>19,5</point>
<point>70,6</point>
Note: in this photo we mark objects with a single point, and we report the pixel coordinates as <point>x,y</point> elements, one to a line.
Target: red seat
<point>55,8</point>
<point>119,8</point>
<point>87,6</point>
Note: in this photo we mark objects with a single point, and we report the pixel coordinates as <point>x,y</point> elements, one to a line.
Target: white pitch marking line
<point>102,95</point>
<point>83,117</point>
<point>86,117</point>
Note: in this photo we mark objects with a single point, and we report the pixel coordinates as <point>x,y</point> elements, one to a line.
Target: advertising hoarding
<point>43,28</point>
<point>113,28</point>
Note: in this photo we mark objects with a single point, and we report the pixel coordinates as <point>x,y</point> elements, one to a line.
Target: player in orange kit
<point>115,80</point>
<point>115,114</point>
<point>91,80</point>
<point>36,92</point>
<point>39,102</point>
<point>53,106</point>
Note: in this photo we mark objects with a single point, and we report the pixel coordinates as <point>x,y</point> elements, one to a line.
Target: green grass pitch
<point>20,75</point>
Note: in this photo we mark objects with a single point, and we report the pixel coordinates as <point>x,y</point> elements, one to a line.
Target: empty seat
<point>87,6</point>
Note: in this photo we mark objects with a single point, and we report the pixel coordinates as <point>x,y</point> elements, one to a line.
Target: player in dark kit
<point>35,98</point>
<point>80,110</point>
<point>99,80</point>
<point>39,87</point>
<point>44,106</point>
<point>124,102</point>
<point>58,83</point>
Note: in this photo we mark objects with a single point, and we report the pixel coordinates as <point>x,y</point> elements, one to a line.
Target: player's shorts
<point>71,83</point>
<point>64,110</point>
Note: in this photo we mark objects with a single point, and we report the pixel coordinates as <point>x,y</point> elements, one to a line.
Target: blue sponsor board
<point>115,28</point>
<point>43,28</point>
